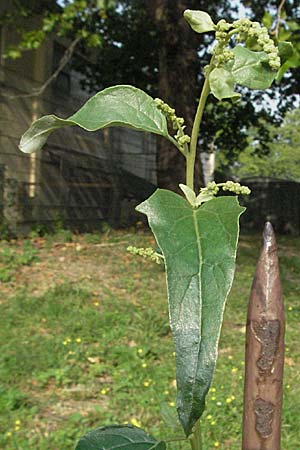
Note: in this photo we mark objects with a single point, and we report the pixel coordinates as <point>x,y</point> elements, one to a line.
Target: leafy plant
<point>11,261</point>
<point>282,160</point>
<point>198,233</point>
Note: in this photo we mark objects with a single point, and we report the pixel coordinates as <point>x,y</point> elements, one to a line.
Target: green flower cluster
<point>182,139</point>
<point>244,29</point>
<point>220,52</point>
<point>248,29</point>
<point>145,253</point>
<point>213,188</point>
<point>177,122</point>
<point>236,188</point>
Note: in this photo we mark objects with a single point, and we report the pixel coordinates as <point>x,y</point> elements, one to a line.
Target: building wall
<point>78,175</point>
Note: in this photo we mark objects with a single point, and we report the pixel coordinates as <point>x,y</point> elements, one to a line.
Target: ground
<point>86,342</point>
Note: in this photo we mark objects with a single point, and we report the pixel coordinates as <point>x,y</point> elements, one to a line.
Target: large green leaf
<point>125,437</point>
<point>118,105</point>
<point>251,69</point>
<point>199,246</point>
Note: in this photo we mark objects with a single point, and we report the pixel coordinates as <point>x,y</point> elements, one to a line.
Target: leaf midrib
<point>198,239</point>
<point>243,67</point>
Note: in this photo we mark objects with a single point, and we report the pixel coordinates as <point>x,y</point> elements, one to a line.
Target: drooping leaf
<point>289,58</point>
<point>251,69</point>
<point>118,105</point>
<point>221,84</point>
<point>199,21</point>
<point>292,63</point>
<point>125,437</point>
<point>286,51</point>
<point>199,246</point>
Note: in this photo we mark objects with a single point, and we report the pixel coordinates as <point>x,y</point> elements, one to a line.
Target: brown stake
<point>264,353</point>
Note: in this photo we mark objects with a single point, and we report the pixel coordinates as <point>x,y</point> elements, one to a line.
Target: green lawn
<point>85,342</point>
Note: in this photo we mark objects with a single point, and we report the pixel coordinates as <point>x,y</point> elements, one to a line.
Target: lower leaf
<point>125,437</point>
<point>199,247</point>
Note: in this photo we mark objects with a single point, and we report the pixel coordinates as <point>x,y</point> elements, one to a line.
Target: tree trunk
<point>178,69</point>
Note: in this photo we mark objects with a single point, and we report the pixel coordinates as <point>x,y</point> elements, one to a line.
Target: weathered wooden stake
<point>264,353</point>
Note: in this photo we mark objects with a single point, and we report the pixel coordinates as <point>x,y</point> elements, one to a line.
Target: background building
<point>79,178</point>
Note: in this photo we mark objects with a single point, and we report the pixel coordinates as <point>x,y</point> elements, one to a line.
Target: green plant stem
<point>182,150</point>
<point>191,156</point>
<point>195,439</point>
<point>175,439</point>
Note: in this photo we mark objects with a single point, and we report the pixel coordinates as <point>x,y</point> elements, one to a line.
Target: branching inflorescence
<point>250,33</point>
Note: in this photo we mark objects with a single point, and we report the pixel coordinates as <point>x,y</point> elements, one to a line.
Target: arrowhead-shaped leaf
<point>251,69</point>
<point>199,21</point>
<point>125,437</point>
<point>118,105</point>
<point>221,84</point>
<point>199,246</point>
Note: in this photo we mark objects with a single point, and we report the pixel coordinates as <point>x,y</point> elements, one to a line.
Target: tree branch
<point>278,16</point>
<point>63,62</point>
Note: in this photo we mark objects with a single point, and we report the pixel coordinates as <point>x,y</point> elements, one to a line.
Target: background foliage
<point>283,158</point>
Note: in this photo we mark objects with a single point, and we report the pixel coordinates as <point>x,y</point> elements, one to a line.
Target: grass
<point>85,342</point>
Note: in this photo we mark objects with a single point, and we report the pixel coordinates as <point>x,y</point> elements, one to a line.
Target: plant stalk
<point>191,156</point>
<point>195,439</point>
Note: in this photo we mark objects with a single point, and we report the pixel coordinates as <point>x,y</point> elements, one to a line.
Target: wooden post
<point>264,353</point>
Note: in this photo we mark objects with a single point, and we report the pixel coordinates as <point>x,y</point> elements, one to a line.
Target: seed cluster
<point>244,29</point>
<point>177,122</point>
<point>220,52</point>
<point>213,188</point>
<point>236,188</point>
<point>145,253</point>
